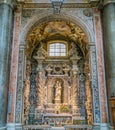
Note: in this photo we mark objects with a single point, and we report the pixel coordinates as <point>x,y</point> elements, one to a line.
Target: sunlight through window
<point>57,49</point>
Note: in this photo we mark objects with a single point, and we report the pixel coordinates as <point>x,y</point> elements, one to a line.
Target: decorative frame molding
<point>85,26</point>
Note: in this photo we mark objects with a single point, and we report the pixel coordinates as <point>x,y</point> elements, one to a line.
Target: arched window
<point>57,49</point>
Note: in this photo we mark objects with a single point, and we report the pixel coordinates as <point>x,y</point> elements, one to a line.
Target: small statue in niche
<point>73,53</point>
<point>58,90</point>
<point>41,53</point>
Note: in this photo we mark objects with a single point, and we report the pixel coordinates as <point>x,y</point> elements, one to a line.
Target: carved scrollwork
<point>58,69</point>
<point>75,88</point>
<point>26,94</point>
<point>40,88</point>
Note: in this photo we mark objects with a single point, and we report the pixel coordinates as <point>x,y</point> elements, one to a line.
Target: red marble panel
<point>14,63</point>
<point>100,65</point>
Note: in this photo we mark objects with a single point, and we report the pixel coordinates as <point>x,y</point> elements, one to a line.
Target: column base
<point>111,128</point>
<point>14,126</point>
<point>104,126</point>
<point>3,128</point>
<point>18,126</point>
<point>11,126</point>
<point>96,126</point>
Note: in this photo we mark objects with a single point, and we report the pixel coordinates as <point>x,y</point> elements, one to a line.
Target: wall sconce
<point>57,5</point>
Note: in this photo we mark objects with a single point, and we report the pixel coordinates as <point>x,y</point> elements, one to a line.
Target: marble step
<point>57,128</point>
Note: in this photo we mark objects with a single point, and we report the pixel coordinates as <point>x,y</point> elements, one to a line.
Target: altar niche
<point>57,88</point>
<point>58,85</point>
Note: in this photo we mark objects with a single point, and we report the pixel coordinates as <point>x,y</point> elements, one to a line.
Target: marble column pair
<point>109,48</point>
<point>6,11</point>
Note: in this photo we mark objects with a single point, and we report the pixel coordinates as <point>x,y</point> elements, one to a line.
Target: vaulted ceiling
<point>56,30</point>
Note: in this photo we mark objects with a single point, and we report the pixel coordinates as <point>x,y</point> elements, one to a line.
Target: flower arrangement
<point>64,108</point>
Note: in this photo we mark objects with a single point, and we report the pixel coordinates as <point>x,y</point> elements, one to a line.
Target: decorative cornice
<point>47,5</point>
<point>67,5</point>
<point>11,3</point>
<point>80,4</point>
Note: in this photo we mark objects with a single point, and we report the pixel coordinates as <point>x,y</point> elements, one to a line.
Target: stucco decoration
<point>31,17</point>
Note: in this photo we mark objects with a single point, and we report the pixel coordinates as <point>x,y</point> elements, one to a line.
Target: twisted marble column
<point>5,42</point>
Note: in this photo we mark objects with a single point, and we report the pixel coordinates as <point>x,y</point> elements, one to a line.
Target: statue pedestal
<point>57,101</point>
<point>76,110</point>
<point>112,101</point>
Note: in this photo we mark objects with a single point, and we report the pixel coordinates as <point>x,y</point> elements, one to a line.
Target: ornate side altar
<point>57,90</point>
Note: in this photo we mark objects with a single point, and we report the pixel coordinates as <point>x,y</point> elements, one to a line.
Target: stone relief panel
<point>95,89</point>
<point>19,92</point>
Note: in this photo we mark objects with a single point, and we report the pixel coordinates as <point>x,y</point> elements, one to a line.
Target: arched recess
<point>49,17</point>
<point>92,55</point>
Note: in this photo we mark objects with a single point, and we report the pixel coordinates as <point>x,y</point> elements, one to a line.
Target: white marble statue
<point>58,90</point>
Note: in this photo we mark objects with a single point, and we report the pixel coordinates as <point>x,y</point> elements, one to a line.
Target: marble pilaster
<point>5,42</point>
<point>101,67</point>
<point>14,64</point>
